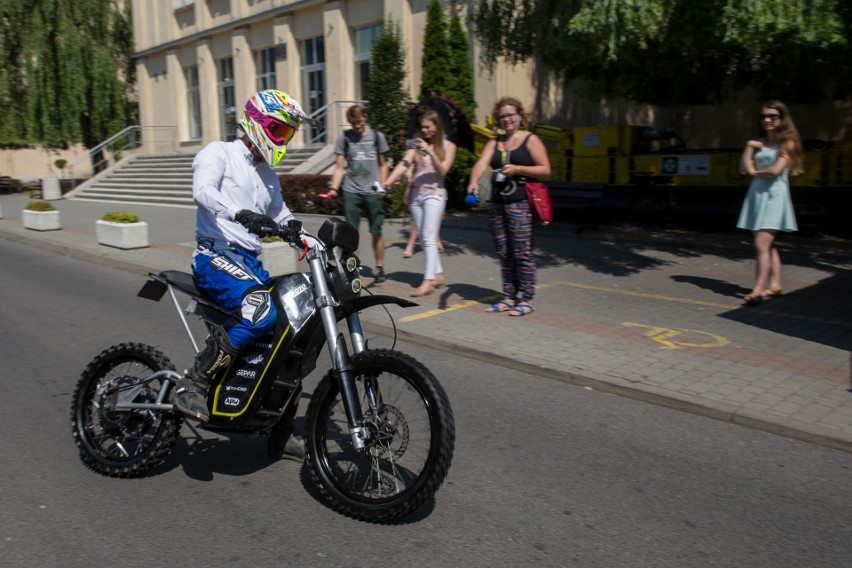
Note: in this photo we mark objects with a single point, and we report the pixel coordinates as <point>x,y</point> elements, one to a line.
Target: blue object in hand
<point>471,199</point>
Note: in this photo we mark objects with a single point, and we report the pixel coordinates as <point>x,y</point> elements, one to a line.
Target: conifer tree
<point>385,90</point>
<point>460,69</point>
<point>388,97</point>
<point>435,76</point>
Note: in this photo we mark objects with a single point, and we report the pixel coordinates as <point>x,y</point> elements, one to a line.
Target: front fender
<point>363,302</point>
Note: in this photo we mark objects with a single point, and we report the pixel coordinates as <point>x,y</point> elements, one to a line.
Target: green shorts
<point>371,205</point>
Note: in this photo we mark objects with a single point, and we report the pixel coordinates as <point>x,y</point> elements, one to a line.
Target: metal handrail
<point>320,135</point>
<point>133,135</point>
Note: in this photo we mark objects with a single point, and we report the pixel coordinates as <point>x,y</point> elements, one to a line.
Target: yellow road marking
<point>451,307</point>
<point>663,335</point>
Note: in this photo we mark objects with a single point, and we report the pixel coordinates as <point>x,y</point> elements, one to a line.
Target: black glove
<point>258,224</point>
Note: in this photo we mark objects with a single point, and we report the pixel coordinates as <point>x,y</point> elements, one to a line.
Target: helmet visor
<point>278,132</point>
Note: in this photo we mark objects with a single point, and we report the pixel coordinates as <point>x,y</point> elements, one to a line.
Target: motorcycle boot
<point>191,390</point>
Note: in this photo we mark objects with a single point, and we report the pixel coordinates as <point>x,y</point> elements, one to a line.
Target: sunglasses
<point>772,117</point>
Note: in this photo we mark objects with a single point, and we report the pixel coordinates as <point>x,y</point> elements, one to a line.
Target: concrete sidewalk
<point>650,314</point>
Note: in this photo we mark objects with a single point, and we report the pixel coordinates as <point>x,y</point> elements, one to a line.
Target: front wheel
<point>411,438</point>
<point>123,443</point>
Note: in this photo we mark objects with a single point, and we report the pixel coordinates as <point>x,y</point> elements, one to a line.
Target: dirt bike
<point>379,428</point>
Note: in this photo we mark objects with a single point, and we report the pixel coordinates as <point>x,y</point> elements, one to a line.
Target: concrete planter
<point>50,189</point>
<point>278,258</point>
<point>40,220</point>
<point>122,235</point>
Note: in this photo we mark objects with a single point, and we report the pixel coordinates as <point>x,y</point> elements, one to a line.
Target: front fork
<point>337,349</point>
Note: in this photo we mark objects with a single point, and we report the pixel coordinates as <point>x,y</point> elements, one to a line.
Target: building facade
<point>198,61</point>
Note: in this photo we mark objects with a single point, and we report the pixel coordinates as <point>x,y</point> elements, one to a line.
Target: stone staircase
<point>160,179</point>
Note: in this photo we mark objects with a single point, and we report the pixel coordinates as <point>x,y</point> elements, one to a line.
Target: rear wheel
<point>411,438</point>
<point>122,443</point>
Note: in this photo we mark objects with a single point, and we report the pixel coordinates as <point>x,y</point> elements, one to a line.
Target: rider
<point>239,199</point>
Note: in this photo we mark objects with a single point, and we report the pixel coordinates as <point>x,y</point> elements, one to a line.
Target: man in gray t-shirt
<point>361,164</point>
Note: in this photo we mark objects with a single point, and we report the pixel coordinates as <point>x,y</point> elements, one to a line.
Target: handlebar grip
<point>291,232</point>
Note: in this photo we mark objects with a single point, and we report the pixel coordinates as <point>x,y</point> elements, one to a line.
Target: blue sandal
<point>501,306</point>
<point>521,309</point>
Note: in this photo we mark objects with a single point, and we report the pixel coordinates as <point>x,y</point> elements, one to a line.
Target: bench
<point>6,185</point>
<point>579,197</point>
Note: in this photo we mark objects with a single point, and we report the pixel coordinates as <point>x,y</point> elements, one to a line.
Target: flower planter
<point>40,220</point>
<point>122,235</point>
<point>278,258</point>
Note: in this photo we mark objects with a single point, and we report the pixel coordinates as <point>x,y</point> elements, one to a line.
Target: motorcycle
<point>379,434</point>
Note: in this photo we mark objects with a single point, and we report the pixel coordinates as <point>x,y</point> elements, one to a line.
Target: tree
<point>460,88</point>
<point>671,52</point>
<point>387,95</point>
<point>435,77</point>
<point>65,71</point>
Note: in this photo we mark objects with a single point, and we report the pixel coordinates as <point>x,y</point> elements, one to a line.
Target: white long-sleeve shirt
<point>226,180</point>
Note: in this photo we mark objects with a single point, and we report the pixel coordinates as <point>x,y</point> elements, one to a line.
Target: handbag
<point>539,199</point>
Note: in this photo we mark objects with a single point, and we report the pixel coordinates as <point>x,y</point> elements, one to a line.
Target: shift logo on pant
<point>225,265</point>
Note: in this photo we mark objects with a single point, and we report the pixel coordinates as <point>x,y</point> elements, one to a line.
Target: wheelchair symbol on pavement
<point>665,336</point>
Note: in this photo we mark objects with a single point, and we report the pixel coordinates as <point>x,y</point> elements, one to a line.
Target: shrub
<point>299,191</point>
<point>457,179</point>
<point>40,205</point>
<point>120,217</point>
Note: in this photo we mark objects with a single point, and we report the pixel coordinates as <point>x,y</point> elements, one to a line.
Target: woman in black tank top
<point>514,156</point>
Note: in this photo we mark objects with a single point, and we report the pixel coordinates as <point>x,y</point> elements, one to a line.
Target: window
<point>193,102</point>
<point>264,60</point>
<point>363,57</point>
<point>227,106</point>
<point>313,73</point>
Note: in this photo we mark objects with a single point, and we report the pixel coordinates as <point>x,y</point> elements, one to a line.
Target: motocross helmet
<point>270,120</point>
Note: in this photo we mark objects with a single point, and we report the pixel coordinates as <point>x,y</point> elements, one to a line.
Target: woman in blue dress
<point>767,208</point>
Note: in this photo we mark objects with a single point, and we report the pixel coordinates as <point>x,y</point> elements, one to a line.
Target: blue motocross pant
<point>236,279</point>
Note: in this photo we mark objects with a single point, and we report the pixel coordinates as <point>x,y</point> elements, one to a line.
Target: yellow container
<point>609,140</point>
<point>481,136</point>
<point>590,169</point>
<point>557,142</point>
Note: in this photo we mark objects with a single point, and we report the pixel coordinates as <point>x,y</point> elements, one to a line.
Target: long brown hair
<point>426,113</point>
<point>789,141</point>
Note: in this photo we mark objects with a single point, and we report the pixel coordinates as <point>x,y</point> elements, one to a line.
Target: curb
<point>709,409</point>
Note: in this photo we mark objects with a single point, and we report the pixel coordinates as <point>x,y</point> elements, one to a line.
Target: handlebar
<point>291,232</point>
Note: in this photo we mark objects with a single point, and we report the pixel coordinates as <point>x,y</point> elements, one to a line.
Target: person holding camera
<point>514,157</point>
<point>360,168</point>
<point>432,156</point>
